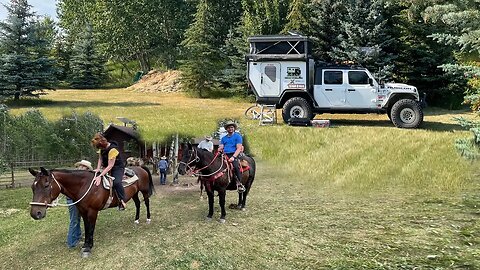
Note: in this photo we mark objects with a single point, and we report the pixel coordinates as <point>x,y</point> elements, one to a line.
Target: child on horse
<point>110,159</point>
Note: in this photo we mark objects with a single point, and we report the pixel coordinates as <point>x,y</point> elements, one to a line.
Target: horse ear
<point>44,171</point>
<point>32,172</point>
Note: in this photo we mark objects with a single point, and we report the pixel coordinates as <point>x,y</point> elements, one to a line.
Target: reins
<point>55,201</point>
<point>196,159</point>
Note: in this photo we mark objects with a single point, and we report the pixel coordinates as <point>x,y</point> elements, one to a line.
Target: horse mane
<point>207,153</point>
<point>71,171</point>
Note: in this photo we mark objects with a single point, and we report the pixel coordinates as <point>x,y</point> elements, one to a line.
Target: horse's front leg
<point>210,204</point>
<point>240,200</point>
<point>221,199</point>
<point>89,223</point>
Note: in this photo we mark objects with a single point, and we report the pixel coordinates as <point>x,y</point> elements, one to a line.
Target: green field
<point>359,195</point>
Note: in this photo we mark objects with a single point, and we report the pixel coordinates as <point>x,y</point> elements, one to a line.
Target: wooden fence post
<point>13,175</point>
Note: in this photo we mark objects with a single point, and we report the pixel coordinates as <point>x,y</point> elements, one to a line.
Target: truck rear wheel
<point>296,107</point>
<point>406,113</point>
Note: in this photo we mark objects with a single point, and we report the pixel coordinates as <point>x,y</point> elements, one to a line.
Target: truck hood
<point>400,87</point>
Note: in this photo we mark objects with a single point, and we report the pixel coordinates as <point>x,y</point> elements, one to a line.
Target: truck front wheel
<point>296,107</point>
<point>407,113</point>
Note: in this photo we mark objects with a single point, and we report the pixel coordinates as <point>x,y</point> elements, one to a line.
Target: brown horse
<point>214,173</point>
<point>89,198</point>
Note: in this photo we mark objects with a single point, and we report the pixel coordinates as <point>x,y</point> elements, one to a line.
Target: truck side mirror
<point>370,81</point>
<point>382,83</point>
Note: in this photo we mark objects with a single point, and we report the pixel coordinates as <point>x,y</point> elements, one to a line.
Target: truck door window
<point>333,77</point>
<point>357,77</point>
<point>271,72</point>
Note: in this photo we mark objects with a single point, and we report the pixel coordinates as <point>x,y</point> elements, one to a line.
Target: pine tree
<point>419,56</point>
<point>203,63</point>
<point>298,18</point>
<point>259,18</point>
<point>62,52</point>
<point>363,36</point>
<point>87,66</point>
<point>325,30</point>
<point>462,30</point>
<point>204,41</point>
<point>25,68</point>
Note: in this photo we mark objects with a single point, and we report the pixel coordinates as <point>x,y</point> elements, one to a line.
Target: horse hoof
<point>239,207</point>
<point>136,221</point>
<point>85,253</point>
<point>148,221</point>
<point>244,209</point>
<point>222,220</point>
<point>208,219</point>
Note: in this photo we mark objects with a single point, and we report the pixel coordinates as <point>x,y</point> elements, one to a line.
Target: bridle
<point>190,161</point>
<point>196,159</point>
<point>55,201</point>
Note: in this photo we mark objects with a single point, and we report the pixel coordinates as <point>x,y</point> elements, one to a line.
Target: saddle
<point>244,166</point>
<point>129,178</point>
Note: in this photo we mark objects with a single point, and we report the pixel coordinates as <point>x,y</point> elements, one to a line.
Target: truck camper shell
<point>279,47</point>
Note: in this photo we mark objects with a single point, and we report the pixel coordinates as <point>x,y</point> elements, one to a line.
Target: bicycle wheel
<point>253,112</point>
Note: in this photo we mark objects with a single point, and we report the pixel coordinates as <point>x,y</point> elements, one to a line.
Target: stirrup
<point>240,188</point>
<point>122,206</point>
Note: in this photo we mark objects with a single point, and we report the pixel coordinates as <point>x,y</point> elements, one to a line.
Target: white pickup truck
<point>281,72</point>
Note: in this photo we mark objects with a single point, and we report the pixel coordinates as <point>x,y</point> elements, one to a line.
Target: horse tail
<point>151,188</point>
<point>253,167</point>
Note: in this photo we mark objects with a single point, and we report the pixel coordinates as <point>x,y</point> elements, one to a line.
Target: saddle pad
<point>125,182</point>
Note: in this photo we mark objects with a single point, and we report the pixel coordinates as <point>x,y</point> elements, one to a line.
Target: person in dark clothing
<point>110,159</point>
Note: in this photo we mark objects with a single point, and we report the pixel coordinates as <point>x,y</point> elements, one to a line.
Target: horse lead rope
<point>196,159</point>
<point>55,201</point>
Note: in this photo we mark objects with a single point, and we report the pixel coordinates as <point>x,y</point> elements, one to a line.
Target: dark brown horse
<point>215,175</point>
<point>79,186</point>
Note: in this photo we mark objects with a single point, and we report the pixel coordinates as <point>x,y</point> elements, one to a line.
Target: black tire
<point>407,113</point>
<point>296,107</point>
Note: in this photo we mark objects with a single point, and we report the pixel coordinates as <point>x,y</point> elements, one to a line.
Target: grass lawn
<point>359,195</point>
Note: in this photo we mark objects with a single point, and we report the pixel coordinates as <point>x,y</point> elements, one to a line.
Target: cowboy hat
<point>85,163</point>
<point>230,123</point>
<point>163,157</point>
<point>209,138</point>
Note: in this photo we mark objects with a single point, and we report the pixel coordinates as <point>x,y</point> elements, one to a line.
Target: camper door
<point>270,79</point>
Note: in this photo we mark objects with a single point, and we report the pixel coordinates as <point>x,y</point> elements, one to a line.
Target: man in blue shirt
<point>232,145</point>
<point>162,167</point>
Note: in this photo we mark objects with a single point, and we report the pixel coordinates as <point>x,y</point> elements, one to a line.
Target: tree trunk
<point>143,60</point>
<point>17,92</point>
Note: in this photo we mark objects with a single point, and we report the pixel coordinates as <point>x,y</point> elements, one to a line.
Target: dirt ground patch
<point>185,184</point>
<point>158,81</point>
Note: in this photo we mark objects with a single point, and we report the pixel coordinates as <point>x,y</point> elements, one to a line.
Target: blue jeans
<point>74,230</point>
<point>163,176</point>
<point>236,167</point>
